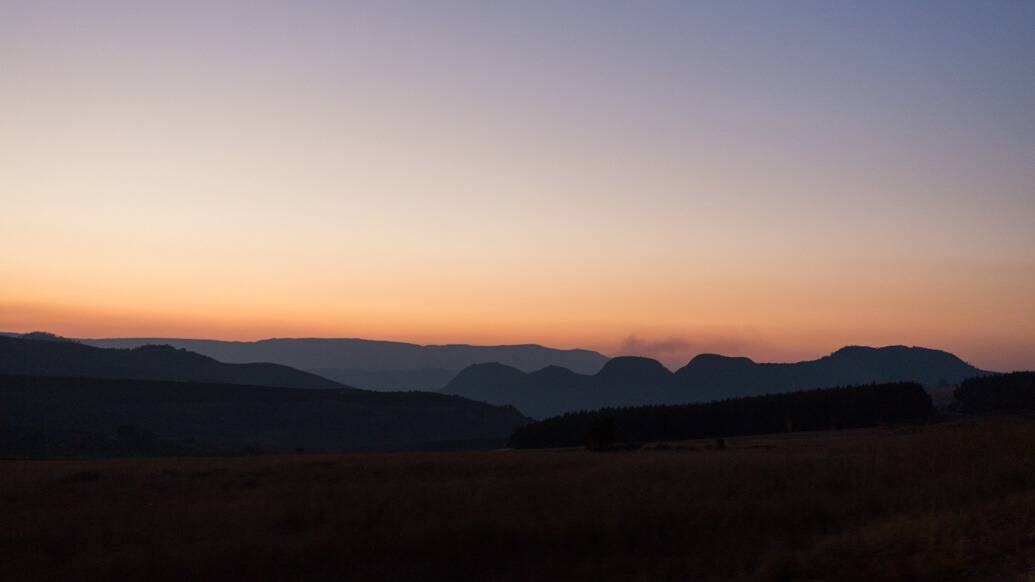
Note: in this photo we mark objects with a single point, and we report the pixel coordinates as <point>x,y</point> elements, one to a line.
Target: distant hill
<point>630,381</point>
<point>711,376</point>
<point>376,365</point>
<point>539,394</point>
<point>41,355</point>
<point>96,417</point>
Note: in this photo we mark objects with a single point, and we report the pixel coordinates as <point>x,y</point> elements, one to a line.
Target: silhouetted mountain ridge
<point>376,364</point>
<point>634,381</point>
<point>719,362</point>
<point>552,374</point>
<point>52,356</point>
<point>363,354</point>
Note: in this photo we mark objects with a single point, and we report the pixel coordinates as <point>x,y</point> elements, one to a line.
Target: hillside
<point>56,417</point>
<point>423,379</point>
<point>58,357</point>
<point>630,381</point>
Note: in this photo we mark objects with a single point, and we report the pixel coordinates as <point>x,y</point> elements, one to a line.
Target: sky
<point>770,179</point>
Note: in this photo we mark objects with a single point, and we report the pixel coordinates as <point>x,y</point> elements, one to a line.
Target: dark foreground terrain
<point>940,502</point>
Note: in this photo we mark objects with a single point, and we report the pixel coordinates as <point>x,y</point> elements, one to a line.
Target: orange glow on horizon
<point>620,179</point>
<point>674,347</point>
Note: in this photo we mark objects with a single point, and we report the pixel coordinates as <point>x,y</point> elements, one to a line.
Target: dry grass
<point>938,503</point>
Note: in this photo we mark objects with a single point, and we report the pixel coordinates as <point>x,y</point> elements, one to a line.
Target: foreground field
<point>954,501</point>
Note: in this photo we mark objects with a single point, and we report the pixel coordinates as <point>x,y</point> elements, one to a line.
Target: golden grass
<point>937,503</point>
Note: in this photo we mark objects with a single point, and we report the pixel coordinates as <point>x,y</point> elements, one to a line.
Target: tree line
<point>1015,391</point>
<point>820,409</point>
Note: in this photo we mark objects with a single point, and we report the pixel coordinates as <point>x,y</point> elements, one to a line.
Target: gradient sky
<point>771,179</point>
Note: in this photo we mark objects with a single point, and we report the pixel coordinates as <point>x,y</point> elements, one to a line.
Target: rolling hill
<point>96,417</point>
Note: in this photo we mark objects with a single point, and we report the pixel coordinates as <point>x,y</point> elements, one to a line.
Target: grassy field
<point>948,501</point>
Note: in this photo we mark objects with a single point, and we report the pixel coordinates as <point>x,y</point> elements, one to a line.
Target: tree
<point>601,435</point>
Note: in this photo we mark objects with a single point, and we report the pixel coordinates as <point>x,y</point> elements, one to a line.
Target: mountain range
<point>635,381</point>
<point>546,391</point>
<point>375,365</point>
<point>59,397</point>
